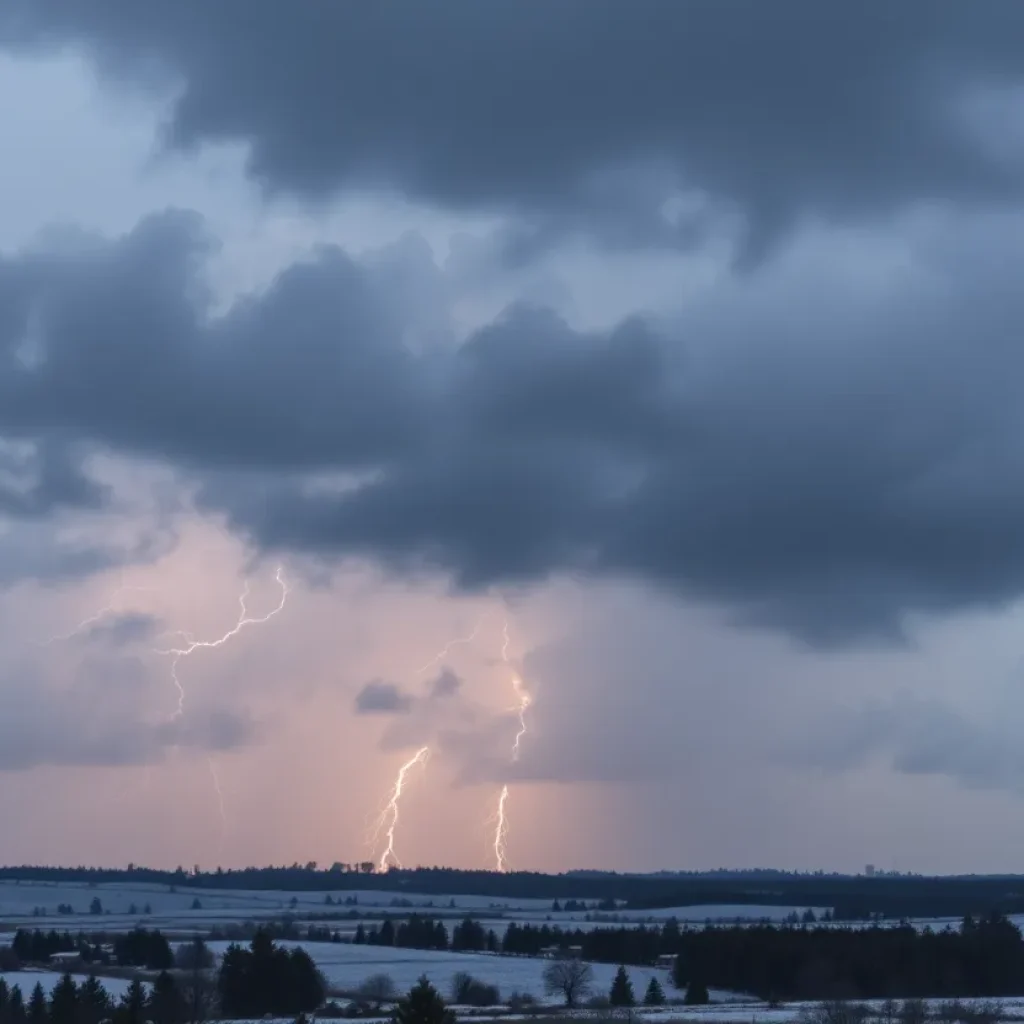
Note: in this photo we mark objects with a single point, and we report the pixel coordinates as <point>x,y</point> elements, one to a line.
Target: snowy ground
<point>346,966</point>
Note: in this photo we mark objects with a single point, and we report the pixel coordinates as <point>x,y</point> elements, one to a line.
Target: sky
<point>666,356</point>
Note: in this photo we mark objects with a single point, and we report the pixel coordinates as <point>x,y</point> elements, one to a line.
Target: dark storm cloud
<point>43,479</point>
<point>588,116</point>
<point>381,698</point>
<point>818,455</point>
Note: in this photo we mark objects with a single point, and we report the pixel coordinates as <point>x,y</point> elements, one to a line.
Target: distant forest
<point>849,898</point>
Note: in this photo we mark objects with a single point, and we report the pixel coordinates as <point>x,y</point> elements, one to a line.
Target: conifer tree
<point>423,1005</point>
<point>64,1001</point>
<point>132,1007</point>
<point>16,1007</point>
<point>621,993</point>
<point>38,1012</point>
<point>93,1002</point>
<point>166,1003</point>
<point>655,994</point>
<point>696,993</point>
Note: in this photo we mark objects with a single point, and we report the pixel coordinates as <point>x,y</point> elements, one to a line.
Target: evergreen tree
<point>132,1007</point>
<point>166,1005</point>
<point>16,1007</point>
<point>360,936</point>
<point>5,997</point>
<point>697,994</point>
<point>655,995</point>
<point>93,1002</point>
<point>64,1001</point>
<point>423,1005</point>
<point>621,993</point>
<point>38,1012</point>
<point>386,936</point>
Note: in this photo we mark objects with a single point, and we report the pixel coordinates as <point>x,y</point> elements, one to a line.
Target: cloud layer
<point>589,120</point>
<point>818,456</point>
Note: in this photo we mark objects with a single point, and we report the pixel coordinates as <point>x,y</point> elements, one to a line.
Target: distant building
<point>666,960</point>
<point>70,959</point>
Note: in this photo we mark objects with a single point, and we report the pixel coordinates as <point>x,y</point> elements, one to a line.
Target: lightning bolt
<point>523,702</point>
<point>443,653</point>
<point>108,609</point>
<point>244,619</point>
<point>501,833</point>
<point>389,815</point>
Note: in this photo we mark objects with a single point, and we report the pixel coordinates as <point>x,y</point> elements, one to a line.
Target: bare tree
<point>569,978</point>
<point>199,995</point>
<point>377,989</point>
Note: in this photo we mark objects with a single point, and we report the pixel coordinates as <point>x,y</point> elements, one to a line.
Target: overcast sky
<point>667,355</point>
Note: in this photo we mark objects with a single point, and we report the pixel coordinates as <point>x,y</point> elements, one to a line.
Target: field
<point>346,965</point>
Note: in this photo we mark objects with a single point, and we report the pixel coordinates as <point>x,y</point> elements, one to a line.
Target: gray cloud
<point>590,119</point>
<point>821,473</point>
<point>379,697</point>
<point>45,478</point>
<point>447,684</point>
<point>123,629</point>
<point>919,736</point>
<point>102,719</point>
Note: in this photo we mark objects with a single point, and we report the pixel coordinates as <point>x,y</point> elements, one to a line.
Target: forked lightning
<point>523,702</point>
<point>244,619</point>
<point>389,816</point>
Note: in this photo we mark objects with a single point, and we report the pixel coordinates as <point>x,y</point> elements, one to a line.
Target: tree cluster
<point>414,933</point>
<point>268,979</point>
<point>985,958</point>
<point>90,1003</point>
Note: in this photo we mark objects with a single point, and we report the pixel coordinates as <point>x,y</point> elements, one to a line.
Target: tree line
<point>849,897</point>
<point>264,978</point>
<point>140,947</point>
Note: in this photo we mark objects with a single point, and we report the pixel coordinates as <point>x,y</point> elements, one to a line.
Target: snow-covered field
<point>27,980</point>
<point>346,966</point>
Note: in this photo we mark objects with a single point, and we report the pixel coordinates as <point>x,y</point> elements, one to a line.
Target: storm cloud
<point>822,473</point>
<point>590,119</point>
<point>381,698</point>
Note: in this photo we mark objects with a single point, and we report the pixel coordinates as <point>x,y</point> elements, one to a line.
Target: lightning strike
<point>501,833</point>
<point>443,653</point>
<point>389,815</point>
<point>244,619</point>
<point>111,608</point>
<point>523,702</point>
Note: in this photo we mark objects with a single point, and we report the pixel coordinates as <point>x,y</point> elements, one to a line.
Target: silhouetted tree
<point>268,979</point>
<point>621,992</point>
<point>569,978</point>
<point>93,1002</point>
<point>655,994</point>
<point>696,993</point>
<point>16,1012</point>
<point>64,1001</point>
<point>96,907</point>
<point>38,1012</point>
<point>377,989</point>
<point>193,955</point>
<point>423,1005</point>
<point>166,1005</point>
<point>132,1007</point>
